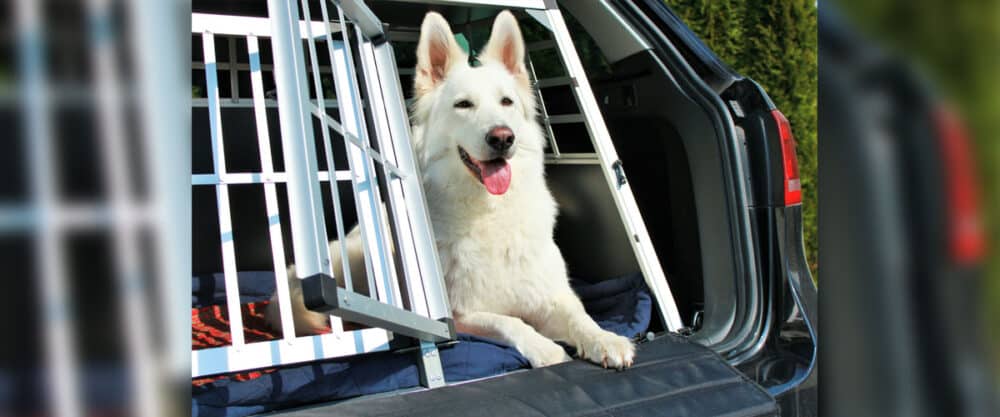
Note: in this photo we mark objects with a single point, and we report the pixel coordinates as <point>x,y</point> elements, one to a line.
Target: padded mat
<point>671,377</point>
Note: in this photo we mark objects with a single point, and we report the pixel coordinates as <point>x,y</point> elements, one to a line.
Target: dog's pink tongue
<point>496,176</point>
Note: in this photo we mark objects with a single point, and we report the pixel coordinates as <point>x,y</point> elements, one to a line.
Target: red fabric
<point>210,328</point>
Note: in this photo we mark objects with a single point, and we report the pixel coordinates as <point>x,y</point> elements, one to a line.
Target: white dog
<point>481,157</point>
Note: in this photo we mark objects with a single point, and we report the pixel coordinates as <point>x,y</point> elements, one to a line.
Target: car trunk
<point>674,154</point>
<point>677,150</point>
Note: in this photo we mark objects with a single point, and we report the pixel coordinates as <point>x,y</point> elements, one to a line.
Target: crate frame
<point>388,147</point>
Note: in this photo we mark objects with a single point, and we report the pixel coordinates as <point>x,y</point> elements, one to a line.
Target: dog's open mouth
<point>494,174</point>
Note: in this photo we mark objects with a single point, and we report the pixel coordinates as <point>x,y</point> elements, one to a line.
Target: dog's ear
<point>506,45</point>
<point>436,53</point>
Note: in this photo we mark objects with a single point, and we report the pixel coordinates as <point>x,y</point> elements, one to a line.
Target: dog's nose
<point>500,138</point>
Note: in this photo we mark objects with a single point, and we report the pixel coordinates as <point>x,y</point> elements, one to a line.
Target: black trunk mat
<point>671,377</point>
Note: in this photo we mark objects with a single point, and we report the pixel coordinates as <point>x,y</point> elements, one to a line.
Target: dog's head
<point>483,117</point>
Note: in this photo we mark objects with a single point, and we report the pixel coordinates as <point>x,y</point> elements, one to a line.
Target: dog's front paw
<point>544,352</point>
<point>609,350</point>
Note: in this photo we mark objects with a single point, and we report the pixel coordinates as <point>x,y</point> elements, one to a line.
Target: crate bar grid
<point>368,28</point>
<point>394,120</point>
<point>270,192</point>
<point>62,362</point>
<point>239,66</point>
<point>367,196</point>
<point>245,25</point>
<point>399,128</point>
<point>389,147</point>
<point>321,103</point>
<point>393,135</point>
<point>279,352</point>
<point>515,4</point>
<point>260,177</point>
<point>242,102</point>
<point>394,189</point>
<point>304,197</point>
<point>158,57</point>
<point>49,220</point>
<point>222,192</point>
<point>294,115</point>
<point>128,268</point>
<point>244,356</point>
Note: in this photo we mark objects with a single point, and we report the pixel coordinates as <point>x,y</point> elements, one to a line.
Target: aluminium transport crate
<point>281,79</point>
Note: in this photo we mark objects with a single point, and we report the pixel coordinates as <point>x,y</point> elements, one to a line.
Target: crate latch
<point>619,173</point>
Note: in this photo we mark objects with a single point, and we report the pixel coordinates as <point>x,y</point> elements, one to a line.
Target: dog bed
<point>622,305</point>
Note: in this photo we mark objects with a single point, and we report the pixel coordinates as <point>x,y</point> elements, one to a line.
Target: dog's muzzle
<point>494,173</point>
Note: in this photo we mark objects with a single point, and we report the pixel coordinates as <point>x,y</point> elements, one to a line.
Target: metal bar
<point>364,188</point>
<point>382,245</point>
<point>362,309</point>
<point>423,235</point>
<point>127,264</point>
<point>62,368</point>
<point>356,141</point>
<point>305,207</point>
<point>554,82</point>
<point>362,16</point>
<point>270,192</point>
<point>227,359</point>
<point>222,193</point>
<point>564,159</point>
<point>15,218</point>
<point>541,45</point>
<point>68,93</point>
<point>259,178</point>
<point>158,58</point>
<point>566,118</point>
<point>389,172</point>
<point>322,294</point>
<point>398,36</point>
<point>400,321</point>
<point>325,14</point>
<point>246,104</point>
<point>388,292</point>
<point>431,371</point>
<point>516,4</point>
<point>396,204</point>
<point>246,67</point>
<point>71,217</point>
<point>234,80</point>
<point>328,150</point>
<point>245,25</point>
<point>622,192</point>
<point>541,106</point>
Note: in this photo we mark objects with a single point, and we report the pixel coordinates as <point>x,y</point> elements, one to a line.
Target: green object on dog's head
<point>464,44</point>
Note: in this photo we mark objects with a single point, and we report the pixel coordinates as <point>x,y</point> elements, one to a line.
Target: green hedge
<point>956,45</point>
<point>774,43</point>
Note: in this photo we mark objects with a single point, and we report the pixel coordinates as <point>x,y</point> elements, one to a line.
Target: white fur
<point>504,273</point>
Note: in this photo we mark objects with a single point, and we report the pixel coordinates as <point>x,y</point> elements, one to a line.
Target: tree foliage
<point>955,45</point>
<point>774,43</point>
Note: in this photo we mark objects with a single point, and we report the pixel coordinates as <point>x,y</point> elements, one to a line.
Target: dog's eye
<point>463,104</point>
<point>506,101</point>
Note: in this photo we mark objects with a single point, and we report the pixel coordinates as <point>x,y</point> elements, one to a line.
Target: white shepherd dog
<point>481,157</point>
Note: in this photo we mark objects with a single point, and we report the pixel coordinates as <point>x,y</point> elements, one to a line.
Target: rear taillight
<point>966,237</point>
<point>792,184</point>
